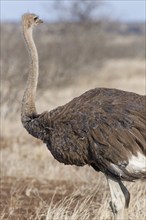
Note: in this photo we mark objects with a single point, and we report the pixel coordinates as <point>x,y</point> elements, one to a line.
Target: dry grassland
<point>34,186</point>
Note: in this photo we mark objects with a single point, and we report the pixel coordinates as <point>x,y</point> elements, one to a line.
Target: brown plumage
<point>104,128</point>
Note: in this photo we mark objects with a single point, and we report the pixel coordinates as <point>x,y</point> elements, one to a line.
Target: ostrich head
<point>29,20</point>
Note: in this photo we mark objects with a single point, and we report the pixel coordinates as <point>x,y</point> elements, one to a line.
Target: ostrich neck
<point>28,102</point>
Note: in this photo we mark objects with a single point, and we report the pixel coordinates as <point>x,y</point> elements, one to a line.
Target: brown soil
<point>22,197</point>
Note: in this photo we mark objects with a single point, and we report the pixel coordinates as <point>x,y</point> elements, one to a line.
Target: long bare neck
<point>28,102</point>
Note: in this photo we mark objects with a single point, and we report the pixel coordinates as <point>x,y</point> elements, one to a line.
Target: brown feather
<point>100,127</point>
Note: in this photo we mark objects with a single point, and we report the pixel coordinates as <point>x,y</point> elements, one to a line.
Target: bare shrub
<point>81,11</point>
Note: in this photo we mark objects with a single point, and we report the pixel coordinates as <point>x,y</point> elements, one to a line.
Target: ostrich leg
<point>120,199</point>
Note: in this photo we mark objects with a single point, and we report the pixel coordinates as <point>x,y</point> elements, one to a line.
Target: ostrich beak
<point>39,21</point>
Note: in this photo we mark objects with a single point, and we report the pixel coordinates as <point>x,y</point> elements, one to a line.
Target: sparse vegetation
<point>72,60</point>
<point>66,51</point>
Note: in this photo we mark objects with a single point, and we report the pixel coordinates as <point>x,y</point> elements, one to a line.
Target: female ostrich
<point>104,128</point>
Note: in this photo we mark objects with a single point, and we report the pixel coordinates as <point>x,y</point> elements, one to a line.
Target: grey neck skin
<point>28,102</point>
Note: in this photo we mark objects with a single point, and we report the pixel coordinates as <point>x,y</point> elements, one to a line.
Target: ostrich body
<point>103,128</point>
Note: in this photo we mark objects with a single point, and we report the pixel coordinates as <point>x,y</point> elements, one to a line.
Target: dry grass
<point>34,186</point>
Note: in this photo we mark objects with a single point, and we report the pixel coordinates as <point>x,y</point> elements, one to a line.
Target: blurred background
<point>81,45</point>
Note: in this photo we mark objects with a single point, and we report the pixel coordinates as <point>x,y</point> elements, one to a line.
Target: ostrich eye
<point>36,18</point>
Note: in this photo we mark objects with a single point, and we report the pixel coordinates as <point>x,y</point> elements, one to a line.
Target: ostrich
<point>103,128</point>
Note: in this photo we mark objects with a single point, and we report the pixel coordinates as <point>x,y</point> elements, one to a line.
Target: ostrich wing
<point>103,128</point>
